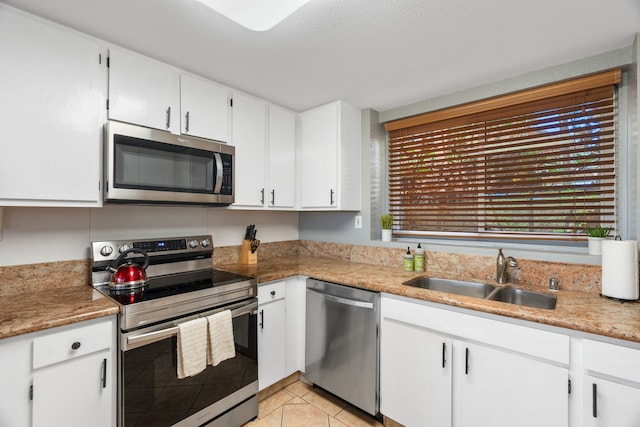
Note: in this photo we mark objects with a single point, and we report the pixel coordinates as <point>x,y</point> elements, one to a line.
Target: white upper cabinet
<point>204,108</point>
<point>264,137</point>
<point>53,90</point>
<point>143,91</point>
<point>329,141</point>
<point>249,136</point>
<point>281,158</point>
<point>157,95</point>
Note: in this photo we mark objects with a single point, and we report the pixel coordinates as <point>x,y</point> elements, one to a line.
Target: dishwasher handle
<point>345,301</point>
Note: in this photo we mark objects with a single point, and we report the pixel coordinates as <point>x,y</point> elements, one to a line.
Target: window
<point>534,164</point>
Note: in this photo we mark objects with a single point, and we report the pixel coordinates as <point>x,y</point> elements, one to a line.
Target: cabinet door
<point>143,91</point>
<point>415,375</point>
<point>607,403</point>
<point>282,158</point>
<point>271,342</point>
<point>249,134</point>
<point>496,388</point>
<point>52,103</point>
<point>15,374</point>
<point>295,325</point>
<point>319,157</point>
<point>76,392</point>
<point>204,109</point>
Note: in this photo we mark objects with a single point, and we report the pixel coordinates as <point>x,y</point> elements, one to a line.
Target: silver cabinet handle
<point>332,197</point>
<point>186,125</point>
<point>346,301</point>
<point>168,117</point>
<point>273,197</point>
<point>262,196</point>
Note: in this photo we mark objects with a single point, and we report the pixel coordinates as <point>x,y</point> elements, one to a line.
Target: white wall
<point>33,235</point>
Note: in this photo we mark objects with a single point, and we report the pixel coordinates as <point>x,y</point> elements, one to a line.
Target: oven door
<point>150,393</point>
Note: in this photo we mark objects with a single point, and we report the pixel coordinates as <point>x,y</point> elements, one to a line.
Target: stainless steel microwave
<point>149,166</point>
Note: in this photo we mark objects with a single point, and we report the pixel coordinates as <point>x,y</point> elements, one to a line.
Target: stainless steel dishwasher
<point>341,350</point>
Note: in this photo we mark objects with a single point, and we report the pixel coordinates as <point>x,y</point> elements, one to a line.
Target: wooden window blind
<point>535,164</point>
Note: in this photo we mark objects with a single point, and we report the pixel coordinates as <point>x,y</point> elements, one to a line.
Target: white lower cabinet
<point>415,375</point>
<point>434,371</point>
<point>611,387</point>
<point>281,313</point>
<point>495,387</point>
<point>60,377</point>
<point>271,333</point>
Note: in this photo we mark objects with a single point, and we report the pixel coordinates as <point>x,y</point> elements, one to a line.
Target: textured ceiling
<point>381,54</point>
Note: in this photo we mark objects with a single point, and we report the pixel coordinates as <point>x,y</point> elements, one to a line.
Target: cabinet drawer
<point>67,344</point>
<point>271,292</point>
<point>610,359</point>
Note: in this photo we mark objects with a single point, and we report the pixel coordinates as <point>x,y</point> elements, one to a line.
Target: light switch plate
<point>358,221</point>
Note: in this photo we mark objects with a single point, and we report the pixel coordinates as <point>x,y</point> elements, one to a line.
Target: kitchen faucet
<point>501,266</point>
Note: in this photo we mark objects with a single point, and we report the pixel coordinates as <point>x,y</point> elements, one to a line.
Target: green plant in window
<point>386,221</point>
<point>597,231</point>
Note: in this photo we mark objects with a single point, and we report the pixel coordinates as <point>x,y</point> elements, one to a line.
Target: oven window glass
<point>154,396</point>
<point>149,165</point>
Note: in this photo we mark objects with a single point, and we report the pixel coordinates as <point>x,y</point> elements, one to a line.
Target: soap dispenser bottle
<point>418,259</point>
<point>408,260</point>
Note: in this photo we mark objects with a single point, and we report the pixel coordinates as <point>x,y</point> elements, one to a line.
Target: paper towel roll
<point>620,269</point>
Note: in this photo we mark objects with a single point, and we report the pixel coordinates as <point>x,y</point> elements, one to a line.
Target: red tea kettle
<point>127,275</point>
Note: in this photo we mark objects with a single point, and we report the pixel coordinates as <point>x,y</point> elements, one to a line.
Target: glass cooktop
<point>171,285</point>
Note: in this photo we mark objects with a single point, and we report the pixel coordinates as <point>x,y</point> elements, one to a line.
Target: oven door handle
<point>151,337</point>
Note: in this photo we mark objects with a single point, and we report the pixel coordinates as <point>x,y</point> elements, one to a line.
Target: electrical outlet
<point>358,221</point>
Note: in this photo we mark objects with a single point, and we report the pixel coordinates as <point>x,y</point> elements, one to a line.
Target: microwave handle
<point>219,171</point>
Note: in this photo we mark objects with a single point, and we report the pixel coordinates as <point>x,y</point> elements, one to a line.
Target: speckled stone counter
<point>576,310</point>
<point>21,313</point>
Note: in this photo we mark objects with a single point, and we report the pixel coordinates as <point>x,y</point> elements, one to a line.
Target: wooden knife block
<point>246,257</point>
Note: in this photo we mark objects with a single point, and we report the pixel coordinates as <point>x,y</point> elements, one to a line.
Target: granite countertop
<point>580,311</point>
<point>22,313</point>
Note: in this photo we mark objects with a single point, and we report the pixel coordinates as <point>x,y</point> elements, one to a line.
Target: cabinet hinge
<point>31,392</point>
<point>569,386</point>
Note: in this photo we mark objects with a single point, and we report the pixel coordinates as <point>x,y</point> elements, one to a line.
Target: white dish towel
<point>192,347</point>
<point>221,343</point>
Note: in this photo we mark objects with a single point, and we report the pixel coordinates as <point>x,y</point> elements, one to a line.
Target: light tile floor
<point>300,405</point>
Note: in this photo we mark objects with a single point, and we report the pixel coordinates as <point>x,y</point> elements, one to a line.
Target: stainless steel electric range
<point>182,285</point>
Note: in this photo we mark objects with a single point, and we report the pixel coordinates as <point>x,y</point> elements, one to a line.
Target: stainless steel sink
<point>525,298</point>
<point>459,287</point>
<point>482,290</point>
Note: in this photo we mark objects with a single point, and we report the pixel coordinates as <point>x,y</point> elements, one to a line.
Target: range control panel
<point>107,251</point>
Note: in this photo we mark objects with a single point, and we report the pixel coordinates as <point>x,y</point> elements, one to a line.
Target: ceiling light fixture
<point>256,15</point>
